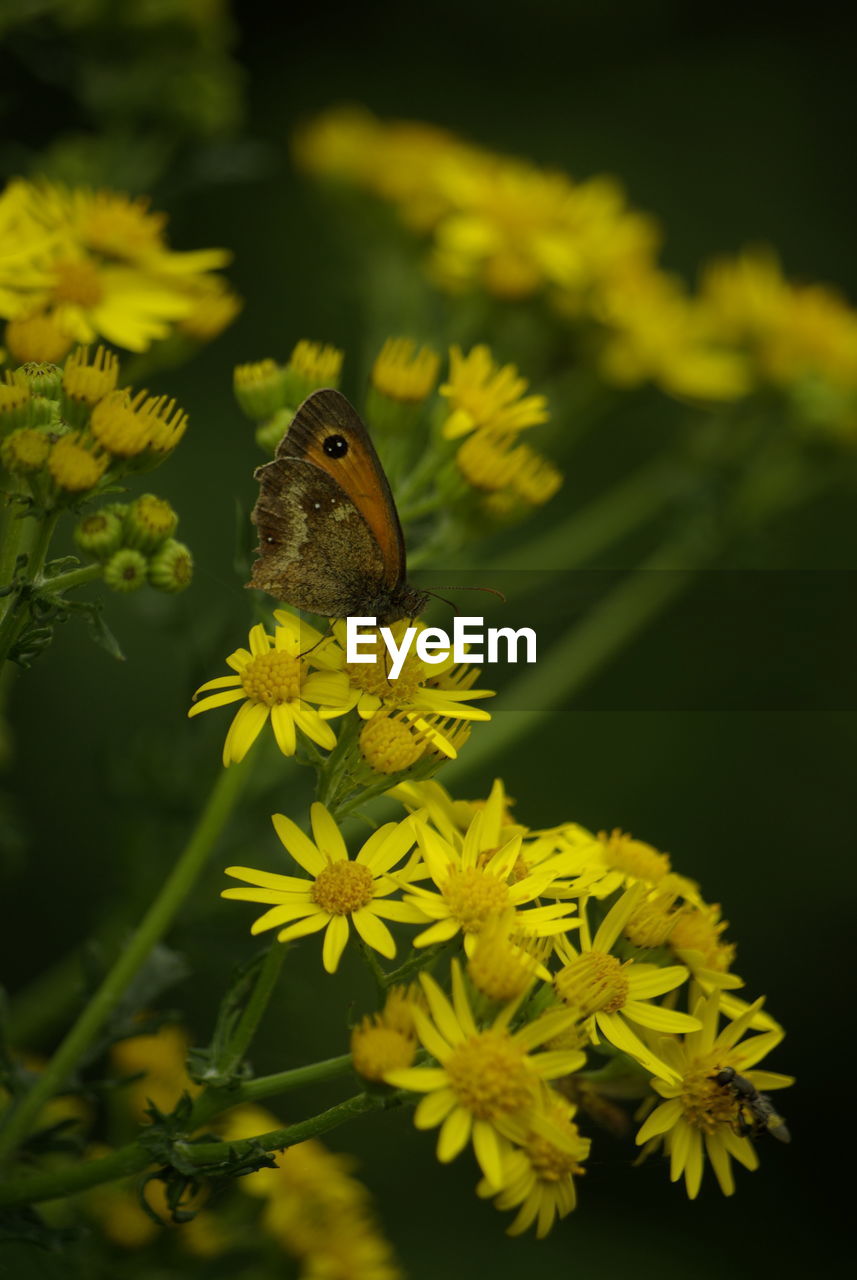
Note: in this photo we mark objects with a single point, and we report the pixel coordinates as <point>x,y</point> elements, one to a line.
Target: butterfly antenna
<point>491,591</point>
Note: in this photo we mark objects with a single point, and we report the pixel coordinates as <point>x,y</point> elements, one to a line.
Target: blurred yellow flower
<point>481,394</point>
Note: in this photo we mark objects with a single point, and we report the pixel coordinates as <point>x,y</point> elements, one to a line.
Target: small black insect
<point>756,1112</point>
<point>335,446</point>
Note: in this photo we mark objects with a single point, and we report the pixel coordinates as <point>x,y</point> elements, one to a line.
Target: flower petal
<point>327,835</point>
<point>334,943</point>
<point>374,933</point>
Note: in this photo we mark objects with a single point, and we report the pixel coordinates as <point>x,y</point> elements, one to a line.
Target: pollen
<point>343,887</point>
<point>706,1103</point>
<point>76,282</point>
<point>594,982</point>
<point>473,896</point>
<point>88,380</point>
<point>633,857</point>
<point>272,678</point>
<point>489,1074</point>
<point>390,744</point>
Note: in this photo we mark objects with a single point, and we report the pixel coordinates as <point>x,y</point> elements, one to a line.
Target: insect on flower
<point>757,1106</point>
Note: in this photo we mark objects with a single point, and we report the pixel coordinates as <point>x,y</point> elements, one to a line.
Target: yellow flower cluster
<point>515,231</point>
<point>67,429</point>
<point>77,265</point>
<point>299,681</point>
<point>496,222</point>
<point>575,945</point>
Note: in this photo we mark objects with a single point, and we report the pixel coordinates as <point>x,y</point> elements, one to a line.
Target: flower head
<point>275,679</point>
<point>482,394</point>
<point>478,879</point>
<point>403,372</point>
<point>608,994</point>
<point>341,891</point>
<point>702,1113</point>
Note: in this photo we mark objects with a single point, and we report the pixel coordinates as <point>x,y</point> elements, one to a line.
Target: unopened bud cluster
<point>134,543</point>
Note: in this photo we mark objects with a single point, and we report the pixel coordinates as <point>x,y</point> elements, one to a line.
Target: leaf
<point>98,628</point>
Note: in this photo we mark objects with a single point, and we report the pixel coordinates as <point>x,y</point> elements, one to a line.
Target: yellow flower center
<point>550,1163</point>
<point>74,467</point>
<point>389,744</point>
<point>272,678</point>
<point>25,450</point>
<point>489,1075</point>
<point>77,282</point>
<point>498,968</point>
<point>377,1049</point>
<point>118,426</point>
<point>401,372</point>
<point>473,895</point>
<point>343,887</point>
<point>700,930</point>
<point>316,362</point>
<point>706,1103</point>
<point>634,857</point>
<point>90,382</point>
<point>37,337</point>
<point>594,982</point>
<point>653,921</point>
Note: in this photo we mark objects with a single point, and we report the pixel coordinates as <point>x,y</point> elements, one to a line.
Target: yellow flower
<point>341,889</point>
<point>387,1041</point>
<point>37,335</point>
<point>539,1174</point>
<point>655,332</point>
<point>76,464</point>
<point>425,693</point>
<point>403,372</point>
<point>609,995</point>
<point>700,1115</point>
<point>499,966</point>
<point>275,680</point>
<point>482,394</point>
<point>497,465</point>
<point>488,1082</point>
<point>85,381</point>
<point>478,879</point>
<point>318,364</point>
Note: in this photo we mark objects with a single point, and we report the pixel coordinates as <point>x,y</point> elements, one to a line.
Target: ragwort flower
<point>276,681</point>
<point>341,890</point>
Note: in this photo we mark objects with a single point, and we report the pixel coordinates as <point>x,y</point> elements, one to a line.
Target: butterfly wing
<point>315,549</point>
<point>323,421</point>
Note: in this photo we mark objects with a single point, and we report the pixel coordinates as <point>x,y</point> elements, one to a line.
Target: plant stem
<point>263,989</point>
<point>74,578</point>
<point>19,1118</point>
<point>213,1101</point>
<point>13,616</point>
<point>133,1158</point>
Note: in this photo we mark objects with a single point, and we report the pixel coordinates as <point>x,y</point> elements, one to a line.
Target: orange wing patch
<point>322,420</point>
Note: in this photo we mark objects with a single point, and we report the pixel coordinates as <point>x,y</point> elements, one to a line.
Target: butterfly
<point>330,541</point>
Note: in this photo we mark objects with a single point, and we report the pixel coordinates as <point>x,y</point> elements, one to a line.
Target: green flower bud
<point>149,522</point>
<point>42,379</point>
<point>25,451</point>
<point>14,400</point>
<point>42,412</point>
<point>270,433</point>
<point>259,388</point>
<point>100,534</point>
<point>171,568</point>
<point>125,570</point>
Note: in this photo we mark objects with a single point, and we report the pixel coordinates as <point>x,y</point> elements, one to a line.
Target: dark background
<point>732,127</point>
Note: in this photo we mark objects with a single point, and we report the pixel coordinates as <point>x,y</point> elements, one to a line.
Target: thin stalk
<point>248,1025</point>
<point>20,1117</point>
<point>74,578</point>
<point>213,1101</point>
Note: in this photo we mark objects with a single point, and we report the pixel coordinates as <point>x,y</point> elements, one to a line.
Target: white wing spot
<point>317,506</point>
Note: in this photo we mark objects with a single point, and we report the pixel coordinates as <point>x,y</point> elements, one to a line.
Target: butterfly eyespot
<point>335,446</point>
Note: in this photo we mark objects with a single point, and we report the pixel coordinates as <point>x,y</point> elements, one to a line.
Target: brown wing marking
<point>359,472</point>
<point>315,549</point>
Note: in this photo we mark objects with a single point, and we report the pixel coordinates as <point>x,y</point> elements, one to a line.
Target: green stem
<point>588,647</point>
<point>213,1101</point>
<point>133,1158</point>
<point>19,1118</point>
<point>74,578</point>
<point>14,615</point>
<point>414,964</point>
<point>378,974</point>
<point>256,1006</point>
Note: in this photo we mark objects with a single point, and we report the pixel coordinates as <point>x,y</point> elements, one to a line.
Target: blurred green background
<point>732,127</point>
